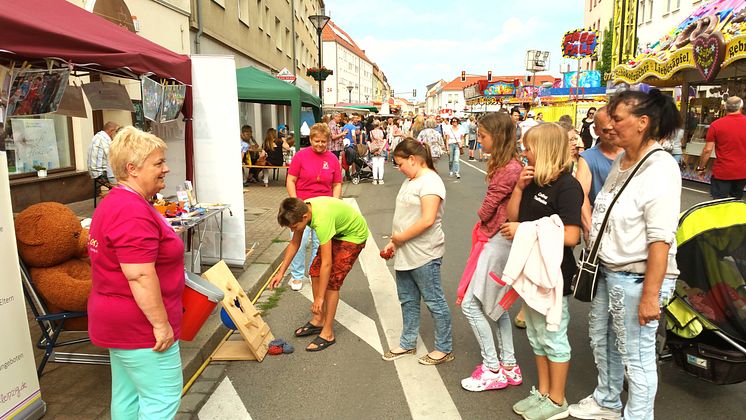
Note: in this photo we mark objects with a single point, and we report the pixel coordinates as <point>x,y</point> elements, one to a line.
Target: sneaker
<point>546,409</point>
<point>513,375</point>
<point>375,182</point>
<point>483,379</point>
<point>458,176</point>
<point>525,404</point>
<point>296,284</point>
<point>450,173</point>
<point>588,408</point>
<point>380,182</point>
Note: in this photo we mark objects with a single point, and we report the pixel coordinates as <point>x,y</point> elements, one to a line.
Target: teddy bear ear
<point>27,229</point>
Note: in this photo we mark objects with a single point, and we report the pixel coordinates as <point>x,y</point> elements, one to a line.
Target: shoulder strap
<point>597,243</point>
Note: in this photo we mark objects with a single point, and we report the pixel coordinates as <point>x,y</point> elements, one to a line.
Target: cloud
<point>418,42</point>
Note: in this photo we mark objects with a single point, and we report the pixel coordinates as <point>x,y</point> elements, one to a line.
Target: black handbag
<point>585,278</point>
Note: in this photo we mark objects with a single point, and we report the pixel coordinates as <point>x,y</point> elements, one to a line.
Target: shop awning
<point>41,29</point>
<point>257,86</point>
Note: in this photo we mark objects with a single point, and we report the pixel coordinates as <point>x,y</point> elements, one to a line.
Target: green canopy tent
<point>257,86</point>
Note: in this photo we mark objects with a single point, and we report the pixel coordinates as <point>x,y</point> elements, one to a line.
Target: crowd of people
<point>547,190</point>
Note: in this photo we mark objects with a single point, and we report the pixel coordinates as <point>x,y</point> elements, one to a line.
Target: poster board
<point>107,95</point>
<point>34,143</point>
<point>36,92</point>
<point>20,394</point>
<point>152,98</point>
<point>217,154</point>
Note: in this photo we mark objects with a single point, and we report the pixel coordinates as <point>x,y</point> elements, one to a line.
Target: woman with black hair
<point>637,256</point>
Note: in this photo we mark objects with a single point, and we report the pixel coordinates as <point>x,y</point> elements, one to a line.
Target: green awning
<point>257,86</point>
<point>370,108</point>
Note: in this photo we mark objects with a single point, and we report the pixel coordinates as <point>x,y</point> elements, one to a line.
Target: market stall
<point>703,56</point>
<point>50,37</point>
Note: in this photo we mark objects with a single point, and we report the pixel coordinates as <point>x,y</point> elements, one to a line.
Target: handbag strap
<point>597,243</point>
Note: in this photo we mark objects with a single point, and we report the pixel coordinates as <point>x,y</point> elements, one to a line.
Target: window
<point>278,34</point>
<point>650,10</point>
<point>243,11</point>
<point>44,141</point>
<point>288,45</point>
<point>266,21</point>
<point>220,3</point>
<point>260,18</point>
<point>641,12</point>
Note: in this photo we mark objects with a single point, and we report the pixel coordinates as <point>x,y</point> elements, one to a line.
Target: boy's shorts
<point>552,344</point>
<point>344,255</point>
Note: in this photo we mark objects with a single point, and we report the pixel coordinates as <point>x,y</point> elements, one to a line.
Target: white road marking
<point>353,320</point>
<point>463,162</point>
<point>694,190</point>
<point>224,403</point>
<point>424,389</point>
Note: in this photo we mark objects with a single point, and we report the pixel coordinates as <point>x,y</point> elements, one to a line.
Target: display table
<point>193,230</point>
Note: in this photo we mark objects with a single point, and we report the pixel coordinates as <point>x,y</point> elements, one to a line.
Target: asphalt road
<point>350,381</point>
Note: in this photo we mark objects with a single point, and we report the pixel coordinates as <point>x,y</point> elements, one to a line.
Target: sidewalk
<point>75,391</point>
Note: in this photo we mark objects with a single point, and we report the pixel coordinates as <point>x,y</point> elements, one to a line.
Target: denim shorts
<point>552,344</point>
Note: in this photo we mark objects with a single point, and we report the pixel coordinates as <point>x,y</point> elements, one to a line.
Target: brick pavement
<point>74,391</point>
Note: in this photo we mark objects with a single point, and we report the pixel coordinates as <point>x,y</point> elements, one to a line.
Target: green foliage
<point>604,64</point>
<point>272,301</point>
<point>39,167</point>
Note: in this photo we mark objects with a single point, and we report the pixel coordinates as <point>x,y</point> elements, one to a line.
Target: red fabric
<point>37,29</point>
<point>478,240</point>
<point>126,229</point>
<point>729,135</point>
<point>344,255</point>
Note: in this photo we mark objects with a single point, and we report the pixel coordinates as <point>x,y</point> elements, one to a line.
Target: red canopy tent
<point>39,29</point>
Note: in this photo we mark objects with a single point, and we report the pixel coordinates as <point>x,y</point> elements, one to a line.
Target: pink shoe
<point>513,375</point>
<point>483,379</point>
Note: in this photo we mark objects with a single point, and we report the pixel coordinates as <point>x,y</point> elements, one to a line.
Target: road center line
<point>425,402</point>
<point>694,190</point>
<point>463,162</point>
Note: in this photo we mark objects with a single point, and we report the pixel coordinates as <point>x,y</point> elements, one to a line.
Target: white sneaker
<point>296,284</point>
<point>458,176</point>
<point>450,173</point>
<point>483,379</point>
<point>380,182</point>
<point>589,409</point>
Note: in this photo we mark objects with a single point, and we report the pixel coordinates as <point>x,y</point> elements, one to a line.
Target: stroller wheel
<point>355,179</point>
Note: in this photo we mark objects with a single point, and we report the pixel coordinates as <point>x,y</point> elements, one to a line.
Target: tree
<point>604,64</point>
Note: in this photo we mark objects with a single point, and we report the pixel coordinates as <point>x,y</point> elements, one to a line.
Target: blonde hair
<point>551,149</point>
<point>320,129</point>
<point>131,145</point>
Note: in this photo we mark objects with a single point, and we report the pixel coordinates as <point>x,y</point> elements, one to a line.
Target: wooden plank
<point>255,332</point>
<point>234,350</point>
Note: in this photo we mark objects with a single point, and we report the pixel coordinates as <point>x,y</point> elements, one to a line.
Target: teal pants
<point>145,384</point>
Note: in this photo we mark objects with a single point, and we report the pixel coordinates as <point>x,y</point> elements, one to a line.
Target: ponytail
<point>411,147</point>
<point>659,108</point>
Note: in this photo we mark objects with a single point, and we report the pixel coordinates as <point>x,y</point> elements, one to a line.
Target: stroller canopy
<point>711,256</point>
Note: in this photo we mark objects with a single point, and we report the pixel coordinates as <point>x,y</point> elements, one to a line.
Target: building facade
<point>656,18</point>
<point>450,96</point>
<point>352,80</point>
<point>596,16</point>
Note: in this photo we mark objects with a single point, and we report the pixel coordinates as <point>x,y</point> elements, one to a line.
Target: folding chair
<point>52,327</point>
<point>99,182</point>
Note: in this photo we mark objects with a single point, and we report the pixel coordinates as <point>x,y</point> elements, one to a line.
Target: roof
<point>54,30</point>
<point>403,100</point>
<point>457,84</point>
<point>333,33</point>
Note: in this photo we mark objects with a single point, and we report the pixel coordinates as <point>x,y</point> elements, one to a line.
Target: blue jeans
<point>298,265</point>
<point>145,384</point>
<point>453,158</point>
<point>472,309</point>
<point>423,282</point>
<point>619,342</point>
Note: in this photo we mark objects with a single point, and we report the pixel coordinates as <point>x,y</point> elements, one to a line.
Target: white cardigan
<point>534,267</point>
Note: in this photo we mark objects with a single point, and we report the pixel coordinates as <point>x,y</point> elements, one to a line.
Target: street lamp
<point>319,22</point>
<point>349,93</point>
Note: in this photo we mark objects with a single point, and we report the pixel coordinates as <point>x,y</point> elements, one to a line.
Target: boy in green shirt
<point>342,232</point>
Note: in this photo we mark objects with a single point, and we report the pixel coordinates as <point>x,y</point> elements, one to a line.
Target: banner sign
<point>500,89</point>
<point>663,70</point>
<point>579,43</point>
<point>20,394</point>
<point>586,78</point>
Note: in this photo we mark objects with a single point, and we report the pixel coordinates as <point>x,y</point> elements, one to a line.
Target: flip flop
<point>321,344</point>
<point>308,329</point>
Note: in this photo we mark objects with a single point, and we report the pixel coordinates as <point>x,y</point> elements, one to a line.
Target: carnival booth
<point>702,59</point>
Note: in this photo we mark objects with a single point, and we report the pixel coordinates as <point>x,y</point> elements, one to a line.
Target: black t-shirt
<point>563,197</point>
<point>585,134</point>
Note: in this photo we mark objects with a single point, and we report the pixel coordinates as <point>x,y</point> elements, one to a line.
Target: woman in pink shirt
<point>137,262</point>
<point>314,171</point>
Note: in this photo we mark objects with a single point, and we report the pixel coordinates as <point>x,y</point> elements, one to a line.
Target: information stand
<point>255,333</point>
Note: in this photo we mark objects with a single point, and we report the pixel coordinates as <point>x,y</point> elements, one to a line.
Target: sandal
<point>321,344</point>
<point>390,355</point>
<point>427,360</point>
<point>308,329</point>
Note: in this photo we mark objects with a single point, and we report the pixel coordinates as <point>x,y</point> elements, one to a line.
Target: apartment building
<point>656,18</point>
<point>596,17</point>
<point>450,95</point>
<point>352,80</point>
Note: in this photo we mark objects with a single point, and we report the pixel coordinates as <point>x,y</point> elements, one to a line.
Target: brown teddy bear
<point>52,243</point>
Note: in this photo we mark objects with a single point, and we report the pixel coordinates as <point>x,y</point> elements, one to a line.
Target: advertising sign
<point>286,75</point>
<point>20,394</point>
<point>586,79</point>
<point>500,89</point>
<point>579,43</point>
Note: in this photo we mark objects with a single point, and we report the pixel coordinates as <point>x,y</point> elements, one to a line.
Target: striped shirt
<point>98,156</point>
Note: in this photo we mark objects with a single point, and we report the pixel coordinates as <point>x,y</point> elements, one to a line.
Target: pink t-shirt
<point>316,172</point>
<point>127,229</point>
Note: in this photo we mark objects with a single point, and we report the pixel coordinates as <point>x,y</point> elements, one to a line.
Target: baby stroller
<point>357,160</point>
<point>706,318</point>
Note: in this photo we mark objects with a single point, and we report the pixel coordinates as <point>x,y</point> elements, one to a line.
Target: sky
<point>418,42</point>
